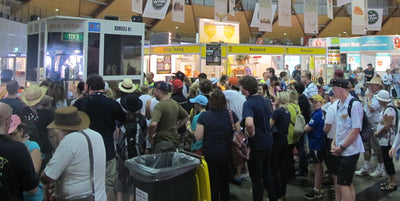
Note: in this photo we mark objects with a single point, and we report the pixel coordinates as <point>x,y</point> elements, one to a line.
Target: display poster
<point>382,62</point>
<point>311,16</point>
<point>285,13</point>
<point>137,6</point>
<point>266,17</point>
<point>375,19</point>
<point>156,9</point>
<point>359,17</point>
<point>164,64</point>
<point>330,9</point>
<point>220,8</point>
<point>231,7</point>
<point>213,54</point>
<point>216,31</point>
<point>178,11</point>
<point>353,61</point>
<point>342,2</point>
<point>350,44</point>
<point>317,42</point>
<point>396,42</point>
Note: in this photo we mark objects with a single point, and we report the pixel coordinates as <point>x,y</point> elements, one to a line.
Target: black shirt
<point>15,103</point>
<point>282,120</point>
<point>17,173</point>
<point>305,107</point>
<point>369,72</point>
<point>103,112</point>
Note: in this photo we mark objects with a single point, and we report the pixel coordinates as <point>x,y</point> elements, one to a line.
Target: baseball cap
<point>331,93</point>
<point>343,83</point>
<point>177,83</point>
<point>214,80</point>
<point>200,99</point>
<point>180,75</point>
<point>234,81</point>
<point>317,98</point>
<point>161,85</point>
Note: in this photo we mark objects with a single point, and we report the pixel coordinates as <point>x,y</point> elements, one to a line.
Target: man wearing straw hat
<point>373,110</point>
<point>103,112</point>
<point>17,173</point>
<point>71,163</point>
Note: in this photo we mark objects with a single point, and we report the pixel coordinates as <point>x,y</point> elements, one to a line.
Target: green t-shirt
<point>292,107</point>
<point>167,113</point>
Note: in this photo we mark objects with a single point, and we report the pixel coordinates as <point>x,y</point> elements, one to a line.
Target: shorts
<point>347,167</point>
<point>124,182</point>
<point>374,145</point>
<point>315,156</point>
<point>332,161</point>
<point>164,146</point>
<point>111,174</point>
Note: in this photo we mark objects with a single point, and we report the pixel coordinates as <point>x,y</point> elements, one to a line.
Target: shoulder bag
<point>89,196</point>
<point>240,144</point>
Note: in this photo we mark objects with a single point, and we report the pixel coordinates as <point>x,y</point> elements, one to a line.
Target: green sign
<point>74,37</point>
<point>373,17</point>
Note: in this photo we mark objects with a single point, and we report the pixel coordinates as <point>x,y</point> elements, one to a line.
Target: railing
<point>20,12</point>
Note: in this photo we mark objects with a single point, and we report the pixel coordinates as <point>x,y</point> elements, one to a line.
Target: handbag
<point>240,145</point>
<point>89,196</point>
<point>299,124</point>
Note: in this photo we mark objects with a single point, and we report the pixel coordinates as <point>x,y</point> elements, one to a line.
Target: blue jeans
<point>260,174</point>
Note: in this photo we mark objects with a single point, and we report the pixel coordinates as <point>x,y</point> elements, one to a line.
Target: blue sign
<point>94,26</point>
<point>375,43</point>
<point>350,44</point>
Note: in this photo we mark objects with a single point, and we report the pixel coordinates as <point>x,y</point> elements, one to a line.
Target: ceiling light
<point>57,9</point>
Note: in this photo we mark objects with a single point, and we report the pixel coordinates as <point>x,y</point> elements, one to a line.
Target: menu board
<point>213,54</point>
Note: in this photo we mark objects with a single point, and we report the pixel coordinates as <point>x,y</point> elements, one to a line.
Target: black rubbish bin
<point>163,177</point>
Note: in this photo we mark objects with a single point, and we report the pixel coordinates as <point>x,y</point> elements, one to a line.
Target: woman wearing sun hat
<point>71,162</point>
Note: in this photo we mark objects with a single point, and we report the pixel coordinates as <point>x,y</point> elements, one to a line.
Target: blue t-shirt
<point>32,145</point>
<point>217,138</point>
<point>257,107</point>
<point>196,145</point>
<point>316,137</point>
<point>282,120</point>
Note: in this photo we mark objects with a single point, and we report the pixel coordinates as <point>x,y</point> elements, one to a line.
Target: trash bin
<point>163,177</point>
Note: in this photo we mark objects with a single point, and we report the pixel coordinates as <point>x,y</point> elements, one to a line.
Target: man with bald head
<point>17,173</point>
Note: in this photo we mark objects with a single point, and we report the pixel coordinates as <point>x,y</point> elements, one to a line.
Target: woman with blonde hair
<point>280,120</point>
<point>294,110</point>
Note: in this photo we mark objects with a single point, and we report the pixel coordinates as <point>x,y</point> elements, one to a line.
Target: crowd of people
<point>53,148</point>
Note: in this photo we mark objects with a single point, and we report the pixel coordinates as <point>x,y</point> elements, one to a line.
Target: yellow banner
<point>305,50</point>
<point>241,49</point>
<point>191,49</point>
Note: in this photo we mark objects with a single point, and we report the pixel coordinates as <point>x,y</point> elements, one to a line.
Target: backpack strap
<point>350,106</point>
<point>137,136</point>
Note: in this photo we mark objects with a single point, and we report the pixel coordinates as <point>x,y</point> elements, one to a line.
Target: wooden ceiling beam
<point>101,8</point>
<point>156,21</point>
<point>387,19</point>
<point>330,20</point>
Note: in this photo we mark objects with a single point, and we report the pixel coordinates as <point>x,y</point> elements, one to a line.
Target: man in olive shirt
<point>167,116</point>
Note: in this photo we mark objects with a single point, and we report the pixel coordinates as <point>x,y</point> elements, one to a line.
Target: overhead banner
<point>231,6</point>
<point>359,17</point>
<point>255,22</point>
<point>342,2</point>
<point>375,19</point>
<point>137,6</point>
<point>220,7</point>
<point>311,16</point>
<point>156,9</point>
<point>178,11</point>
<point>285,13</point>
<point>265,15</point>
<point>330,9</point>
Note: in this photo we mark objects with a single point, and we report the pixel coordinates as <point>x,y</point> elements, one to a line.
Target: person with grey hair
<point>17,173</point>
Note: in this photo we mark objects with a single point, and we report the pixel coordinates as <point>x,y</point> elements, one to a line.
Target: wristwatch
<point>342,148</point>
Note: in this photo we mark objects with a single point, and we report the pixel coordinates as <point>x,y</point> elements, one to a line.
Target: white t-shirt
<point>384,138</point>
<point>235,100</point>
<point>330,118</point>
<point>310,90</point>
<point>345,125</point>
<point>70,165</point>
<point>144,99</point>
<point>374,117</point>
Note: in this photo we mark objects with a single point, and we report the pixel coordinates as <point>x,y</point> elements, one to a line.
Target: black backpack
<point>366,132</point>
<point>132,139</point>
